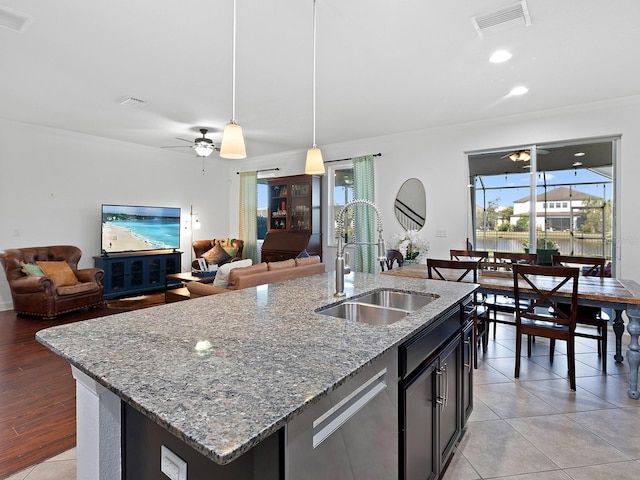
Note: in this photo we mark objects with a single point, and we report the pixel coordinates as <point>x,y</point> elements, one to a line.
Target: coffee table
<point>174,292</point>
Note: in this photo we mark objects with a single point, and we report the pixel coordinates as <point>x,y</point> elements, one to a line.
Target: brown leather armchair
<point>203,246</point>
<point>38,295</point>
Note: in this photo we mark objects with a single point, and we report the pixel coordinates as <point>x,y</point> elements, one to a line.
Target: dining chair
<point>393,256</point>
<point>463,271</point>
<point>503,262</point>
<point>480,256</point>
<point>592,316</point>
<point>536,319</point>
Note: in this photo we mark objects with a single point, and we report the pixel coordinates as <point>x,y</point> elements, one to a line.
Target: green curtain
<point>248,231</point>
<point>364,216</point>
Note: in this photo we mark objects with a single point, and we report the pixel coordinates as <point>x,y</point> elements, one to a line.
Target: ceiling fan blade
<point>184,140</point>
<point>177,146</point>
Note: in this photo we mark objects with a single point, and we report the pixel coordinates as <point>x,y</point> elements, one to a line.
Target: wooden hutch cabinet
<point>295,220</point>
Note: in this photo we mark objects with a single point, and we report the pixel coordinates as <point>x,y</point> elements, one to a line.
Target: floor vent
<point>511,16</point>
<point>14,20</point>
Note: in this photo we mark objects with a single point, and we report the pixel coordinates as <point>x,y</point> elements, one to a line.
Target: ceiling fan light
<point>524,156</point>
<point>233,142</point>
<point>514,157</point>
<point>315,164</point>
<point>203,149</point>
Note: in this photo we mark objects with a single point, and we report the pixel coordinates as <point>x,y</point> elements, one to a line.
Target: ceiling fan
<point>522,155</point>
<point>202,145</point>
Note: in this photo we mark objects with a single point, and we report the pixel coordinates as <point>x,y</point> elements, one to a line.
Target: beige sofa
<point>259,274</point>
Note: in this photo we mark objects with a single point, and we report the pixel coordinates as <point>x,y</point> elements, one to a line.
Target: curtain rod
<point>263,170</point>
<point>343,159</point>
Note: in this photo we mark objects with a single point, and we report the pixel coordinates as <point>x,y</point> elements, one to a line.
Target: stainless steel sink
<point>379,307</point>
<point>396,299</point>
<point>364,312</point>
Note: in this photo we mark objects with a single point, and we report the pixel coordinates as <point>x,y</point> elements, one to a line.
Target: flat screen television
<point>133,228</point>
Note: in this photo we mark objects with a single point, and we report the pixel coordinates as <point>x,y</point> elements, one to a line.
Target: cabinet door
<point>116,275</point>
<point>300,206</point>
<point>468,352</point>
<point>137,273</point>
<point>449,395</point>
<point>418,410</point>
<point>278,204</point>
<point>155,270</point>
<point>172,264</point>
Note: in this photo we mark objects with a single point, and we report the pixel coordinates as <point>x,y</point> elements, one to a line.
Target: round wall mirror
<point>411,205</point>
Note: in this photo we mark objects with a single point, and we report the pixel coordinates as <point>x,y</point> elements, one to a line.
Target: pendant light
<point>314,165</point>
<point>232,139</point>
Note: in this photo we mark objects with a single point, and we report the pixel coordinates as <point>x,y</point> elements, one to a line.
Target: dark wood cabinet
<point>436,375</point>
<point>131,273</point>
<point>295,219</point>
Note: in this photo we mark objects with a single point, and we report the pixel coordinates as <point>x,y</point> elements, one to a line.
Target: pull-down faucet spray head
<point>340,262</point>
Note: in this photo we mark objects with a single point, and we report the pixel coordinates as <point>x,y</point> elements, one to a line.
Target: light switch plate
<point>441,233</point>
<point>172,465</point>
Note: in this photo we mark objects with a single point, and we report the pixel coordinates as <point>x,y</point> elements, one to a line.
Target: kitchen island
<point>225,373</point>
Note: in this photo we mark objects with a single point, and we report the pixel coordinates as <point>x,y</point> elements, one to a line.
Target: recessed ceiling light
<point>519,91</point>
<point>579,154</point>
<point>500,56</point>
<point>576,164</point>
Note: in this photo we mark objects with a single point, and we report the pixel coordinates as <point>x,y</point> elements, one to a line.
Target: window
<point>340,188</point>
<point>557,199</point>
<point>262,208</point>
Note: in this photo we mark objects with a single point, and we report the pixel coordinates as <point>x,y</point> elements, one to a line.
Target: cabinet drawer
<point>426,343</point>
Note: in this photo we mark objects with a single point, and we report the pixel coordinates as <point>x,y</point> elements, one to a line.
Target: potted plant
<point>410,244</point>
<point>545,248</point>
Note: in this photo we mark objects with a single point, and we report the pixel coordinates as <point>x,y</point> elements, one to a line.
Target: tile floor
<point>533,428</point>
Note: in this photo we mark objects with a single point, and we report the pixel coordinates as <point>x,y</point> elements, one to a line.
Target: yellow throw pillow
<point>59,272</point>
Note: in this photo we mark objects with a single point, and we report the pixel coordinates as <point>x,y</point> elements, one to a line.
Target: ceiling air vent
<point>132,101</point>
<point>511,16</point>
<point>14,20</point>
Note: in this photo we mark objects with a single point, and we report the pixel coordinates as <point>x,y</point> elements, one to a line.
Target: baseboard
<point>6,306</point>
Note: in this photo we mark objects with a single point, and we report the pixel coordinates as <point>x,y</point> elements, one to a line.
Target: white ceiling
<point>383,66</point>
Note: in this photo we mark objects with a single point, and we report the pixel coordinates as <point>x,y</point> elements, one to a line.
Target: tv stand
<point>137,272</point>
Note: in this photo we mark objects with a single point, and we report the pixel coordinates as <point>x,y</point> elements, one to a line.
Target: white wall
<point>437,157</point>
<point>53,196</point>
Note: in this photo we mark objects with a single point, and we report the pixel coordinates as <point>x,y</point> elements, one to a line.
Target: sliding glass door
<point>558,197</point>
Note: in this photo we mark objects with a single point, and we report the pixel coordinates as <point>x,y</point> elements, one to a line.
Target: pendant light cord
<point>233,67</point>
<point>314,74</point>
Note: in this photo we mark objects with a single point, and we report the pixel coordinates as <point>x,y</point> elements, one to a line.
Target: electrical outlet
<point>172,465</point>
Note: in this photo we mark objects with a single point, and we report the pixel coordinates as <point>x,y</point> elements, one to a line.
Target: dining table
<point>619,295</point>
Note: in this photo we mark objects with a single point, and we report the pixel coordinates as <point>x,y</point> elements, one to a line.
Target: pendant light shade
<point>232,139</point>
<point>232,142</point>
<point>314,164</point>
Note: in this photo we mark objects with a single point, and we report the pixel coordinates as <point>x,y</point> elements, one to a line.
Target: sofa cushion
<point>291,263</point>
<point>31,269</point>
<point>217,255</point>
<point>77,288</point>
<point>59,272</point>
<point>222,277</point>
<point>237,273</point>
<point>198,289</point>
<point>300,262</point>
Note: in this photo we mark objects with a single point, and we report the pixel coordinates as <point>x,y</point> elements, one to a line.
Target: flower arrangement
<point>409,243</point>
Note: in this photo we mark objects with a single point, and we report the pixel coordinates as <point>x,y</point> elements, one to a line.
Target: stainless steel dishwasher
<point>352,433</point>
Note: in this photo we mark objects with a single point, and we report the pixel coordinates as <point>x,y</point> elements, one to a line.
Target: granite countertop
<point>224,372</point>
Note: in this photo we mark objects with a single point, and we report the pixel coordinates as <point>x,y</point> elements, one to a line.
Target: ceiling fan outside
<point>202,145</point>
<point>522,155</point>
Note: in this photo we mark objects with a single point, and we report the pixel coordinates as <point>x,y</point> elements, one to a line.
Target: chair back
<point>541,283</point>
<point>595,265</point>
<point>480,256</point>
<point>453,270</point>
<point>505,260</point>
<point>393,256</point>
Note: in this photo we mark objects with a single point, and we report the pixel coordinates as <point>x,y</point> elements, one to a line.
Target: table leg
<point>618,329</point>
<point>633,353</point>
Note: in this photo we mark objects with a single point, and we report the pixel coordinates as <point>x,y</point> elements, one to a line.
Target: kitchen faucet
<point>341,268</point>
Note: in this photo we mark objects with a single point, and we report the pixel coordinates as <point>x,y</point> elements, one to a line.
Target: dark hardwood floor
<point>37,392</point>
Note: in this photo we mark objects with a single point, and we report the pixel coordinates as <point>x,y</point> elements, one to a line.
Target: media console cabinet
<point>139,272</point>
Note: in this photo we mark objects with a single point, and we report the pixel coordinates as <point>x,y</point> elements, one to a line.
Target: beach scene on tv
<point>127,228</point>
